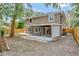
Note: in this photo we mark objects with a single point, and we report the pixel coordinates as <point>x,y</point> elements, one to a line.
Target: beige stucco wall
<point>44,20</point>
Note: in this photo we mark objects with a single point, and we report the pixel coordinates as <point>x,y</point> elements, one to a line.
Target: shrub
<point>2,32</point>
<point>75,23</point>
<point>21,25</point>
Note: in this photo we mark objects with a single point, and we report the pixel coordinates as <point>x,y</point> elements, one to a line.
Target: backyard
<point>16,18</point>
<point>20,46</point>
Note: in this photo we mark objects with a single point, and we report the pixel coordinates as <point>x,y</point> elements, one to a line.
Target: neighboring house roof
<point>45,15</point>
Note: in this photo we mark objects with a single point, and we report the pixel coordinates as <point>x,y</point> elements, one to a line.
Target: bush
<point>21,25</point>
<point>75,23</point>
<point>2,32</point>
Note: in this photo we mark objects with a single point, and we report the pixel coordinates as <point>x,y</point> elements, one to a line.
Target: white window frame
<point>51,18</point>
<point>30,29</point>
<point>38,29</point>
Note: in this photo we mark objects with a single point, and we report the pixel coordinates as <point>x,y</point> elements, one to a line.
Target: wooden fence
<point>16,30</point>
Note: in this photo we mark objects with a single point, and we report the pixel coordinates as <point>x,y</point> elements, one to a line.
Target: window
<point>51,18</point>
<point>30,20</point>
<point>30,29</point>
<point>37,29</point>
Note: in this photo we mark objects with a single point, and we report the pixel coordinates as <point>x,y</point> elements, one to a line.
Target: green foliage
<point>75,10</point>
<point>21,24</point>
<point>4,10</point>
<point>19,10</point>
<point>54,5</point>
<point>29,12</point>
<point>12,9</point>
<point>75,22</point>
<point>68,22</point>
<point>2,32</point>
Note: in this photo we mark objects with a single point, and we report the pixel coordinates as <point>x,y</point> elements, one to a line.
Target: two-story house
<point>49,25</point>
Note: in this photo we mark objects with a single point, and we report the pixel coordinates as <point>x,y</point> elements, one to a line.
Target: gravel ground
<point>65,46</point>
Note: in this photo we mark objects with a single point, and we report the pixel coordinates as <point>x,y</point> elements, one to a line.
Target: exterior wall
<point>63,18</point>
<point>57,18</point>
<point>44,30</point>
<point>33,30</point>
<point>55,31</point>
<point>44,20</point>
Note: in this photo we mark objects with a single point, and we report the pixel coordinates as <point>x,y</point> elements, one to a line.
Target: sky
<point>42,8</point>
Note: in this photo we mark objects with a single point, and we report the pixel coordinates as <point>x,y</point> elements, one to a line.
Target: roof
<point>45,14</point>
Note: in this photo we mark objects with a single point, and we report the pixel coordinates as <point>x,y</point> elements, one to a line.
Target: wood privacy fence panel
<point>16,30</point>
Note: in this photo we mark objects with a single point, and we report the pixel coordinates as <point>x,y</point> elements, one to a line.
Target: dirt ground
<point>65,46</point>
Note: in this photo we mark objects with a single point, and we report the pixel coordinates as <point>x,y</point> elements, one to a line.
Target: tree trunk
<point>12,33</point>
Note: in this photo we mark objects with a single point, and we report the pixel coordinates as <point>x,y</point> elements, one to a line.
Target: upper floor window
<point>50,18</point>
<point>30,20</point>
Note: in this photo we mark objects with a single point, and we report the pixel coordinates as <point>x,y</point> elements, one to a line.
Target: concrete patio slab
<point>38,38</point>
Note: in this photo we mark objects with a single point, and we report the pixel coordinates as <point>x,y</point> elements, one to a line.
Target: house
<point>49,25</point>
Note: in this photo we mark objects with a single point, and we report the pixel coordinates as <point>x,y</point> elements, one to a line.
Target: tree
<point>13,10</point>
<point>29,11</point>
<point>74,15</point>
<point>75,9</point>
<point>4,10</point>
<point>21,24</point>
<point>16,12</point>
<point>57,6</point>
<point>54,5</point>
